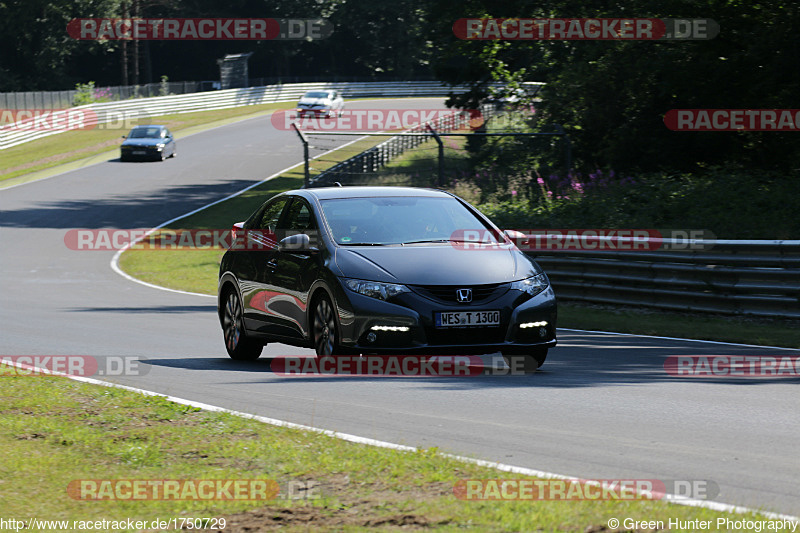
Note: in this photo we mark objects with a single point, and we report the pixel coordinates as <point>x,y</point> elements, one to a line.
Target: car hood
<point>143,142</point>
<point>426,264</point>
<point>314,101</point>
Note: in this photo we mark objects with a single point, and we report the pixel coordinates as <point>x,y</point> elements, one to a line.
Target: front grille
<point>447,293</point>
<point>464,336</point>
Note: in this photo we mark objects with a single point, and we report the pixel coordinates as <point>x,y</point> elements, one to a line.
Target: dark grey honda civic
<point>382,270</point>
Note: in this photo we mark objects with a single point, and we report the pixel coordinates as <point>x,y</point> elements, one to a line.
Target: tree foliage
<point>611,96</point>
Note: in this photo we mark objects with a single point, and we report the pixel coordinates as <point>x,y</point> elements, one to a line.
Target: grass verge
<point>56,431</point>
<point>72,146</point>
<point>196,270</point>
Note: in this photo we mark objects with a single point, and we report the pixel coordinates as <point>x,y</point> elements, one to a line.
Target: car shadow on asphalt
<point>581,360</point>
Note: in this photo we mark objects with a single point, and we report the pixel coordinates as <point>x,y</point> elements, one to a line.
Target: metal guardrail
<point>757,278</point>
<point>44,100</point>
<point>380,155</point>
<point>63,99</point>
<point>113,112</point>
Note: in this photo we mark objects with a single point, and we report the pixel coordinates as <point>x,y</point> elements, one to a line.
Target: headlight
<point>160,146</point>
<point>375,289</point>
<point>533,285</point>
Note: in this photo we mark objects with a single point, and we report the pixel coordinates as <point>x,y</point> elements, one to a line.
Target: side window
<point>269,217</point>
<point>299,218</point>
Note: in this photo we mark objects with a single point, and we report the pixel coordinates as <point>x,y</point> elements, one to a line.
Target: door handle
<point>272,263</point>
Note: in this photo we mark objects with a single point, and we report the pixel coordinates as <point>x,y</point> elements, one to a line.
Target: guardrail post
<point>440,176</point>
<point>304,140</point>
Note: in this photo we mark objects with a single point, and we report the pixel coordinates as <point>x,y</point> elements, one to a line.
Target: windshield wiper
<point>439,240</point>
<point>362,244</point>
<point>422,241</point>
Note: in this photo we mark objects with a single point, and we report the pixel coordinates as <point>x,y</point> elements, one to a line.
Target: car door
<point>169,141</point>
<point>293,273</point>
<point>255,262</point>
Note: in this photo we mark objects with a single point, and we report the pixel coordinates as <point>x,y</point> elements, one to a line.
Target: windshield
<point>402,221</point>
<point>145,133</point>
<point>315,94</point>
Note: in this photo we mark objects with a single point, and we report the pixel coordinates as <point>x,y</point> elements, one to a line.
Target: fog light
<point>542,332</point>
<point>389,328</point>
<point>371,337</point>
<point>541,324</point>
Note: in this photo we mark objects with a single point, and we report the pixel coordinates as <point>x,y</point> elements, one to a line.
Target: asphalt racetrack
<point>602,407</point>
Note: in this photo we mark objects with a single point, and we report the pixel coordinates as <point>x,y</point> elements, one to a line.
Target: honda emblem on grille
<point>464,296</point>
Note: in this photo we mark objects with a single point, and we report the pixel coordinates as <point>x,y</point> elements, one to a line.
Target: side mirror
<point>517,237</point>
<point>124,136</point>
<point>237,232</point>
<point>296,244</point>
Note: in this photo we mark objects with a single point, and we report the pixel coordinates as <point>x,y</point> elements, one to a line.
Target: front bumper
<point>143,152</point>
<point>359,314</point>
<point>314,112</point>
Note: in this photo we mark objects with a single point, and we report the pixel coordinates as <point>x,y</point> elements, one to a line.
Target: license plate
<point>456,319</point>
<point>138,152</point>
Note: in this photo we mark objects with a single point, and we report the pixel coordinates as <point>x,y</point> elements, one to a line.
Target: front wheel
<point>525,362</point>
<point>324,329</point>
<point>237,344</point>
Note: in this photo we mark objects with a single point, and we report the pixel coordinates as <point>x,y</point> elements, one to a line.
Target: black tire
<point>526,362</point>
<point>237,344</point>
<point>325,328</point>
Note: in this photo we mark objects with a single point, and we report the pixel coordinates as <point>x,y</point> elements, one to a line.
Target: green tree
<point>611,96</point>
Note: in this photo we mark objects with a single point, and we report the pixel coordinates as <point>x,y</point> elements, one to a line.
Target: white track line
<point>5,188</point>
<point>680,500</point>
<point>679,339</point>
<point>2,188</point>
<point>671,498</point>
<point>115,260</point>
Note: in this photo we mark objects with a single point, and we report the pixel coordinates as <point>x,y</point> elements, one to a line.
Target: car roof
<point>327,193</point>
<point>149,126</point>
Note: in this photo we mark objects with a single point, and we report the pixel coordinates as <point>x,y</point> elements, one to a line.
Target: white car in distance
<point>325,103</point>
